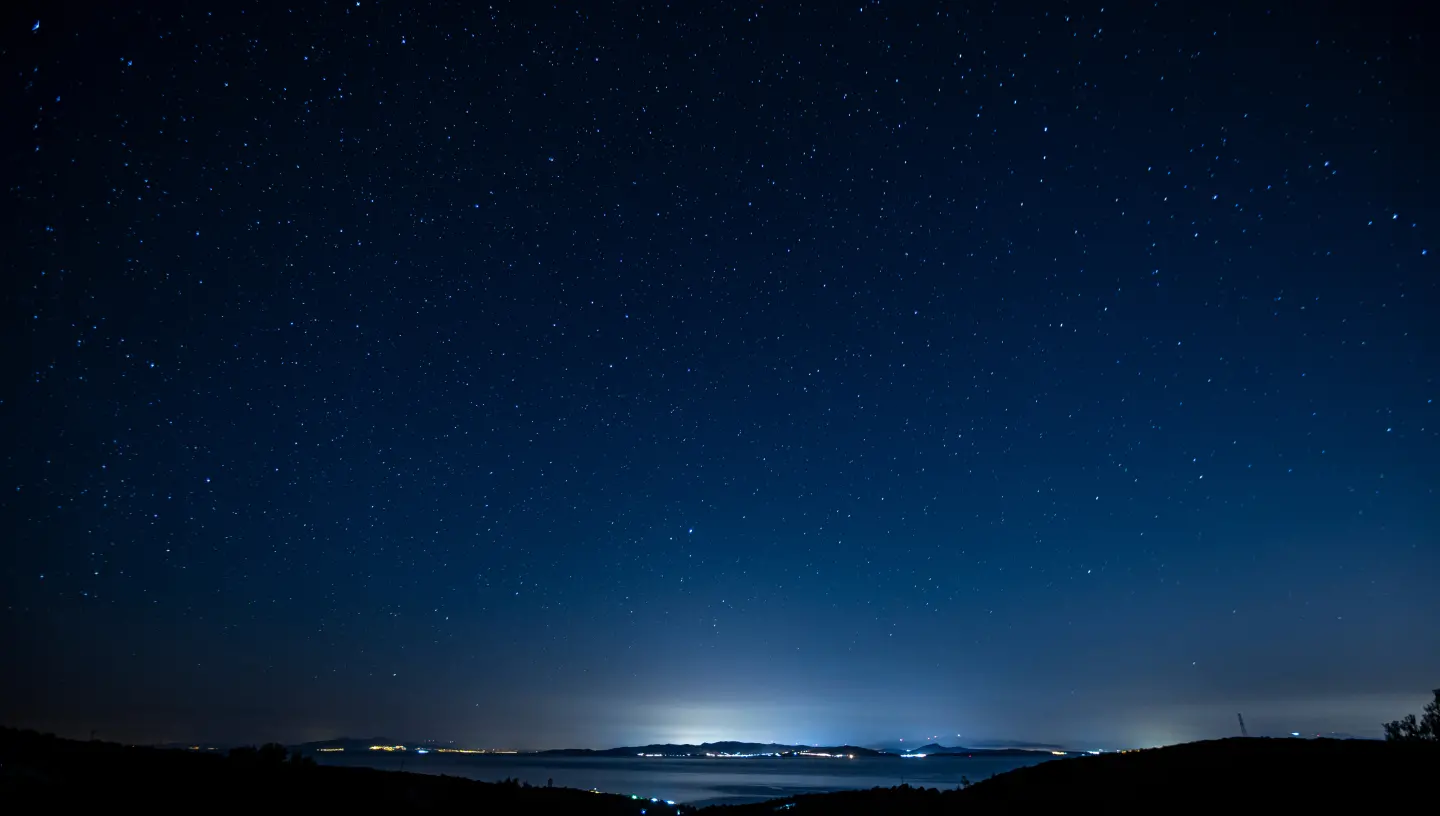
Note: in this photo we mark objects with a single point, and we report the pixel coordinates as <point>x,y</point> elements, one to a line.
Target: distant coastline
<point>728,750</point>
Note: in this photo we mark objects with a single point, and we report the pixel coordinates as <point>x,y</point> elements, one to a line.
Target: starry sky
<point>603,373</point>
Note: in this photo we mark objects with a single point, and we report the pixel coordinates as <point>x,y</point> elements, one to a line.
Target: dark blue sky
<point>608,373</point>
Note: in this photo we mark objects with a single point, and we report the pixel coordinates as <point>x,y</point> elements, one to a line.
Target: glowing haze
<point>539,377</point>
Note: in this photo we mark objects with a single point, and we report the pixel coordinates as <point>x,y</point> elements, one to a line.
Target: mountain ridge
<point>718,750</point>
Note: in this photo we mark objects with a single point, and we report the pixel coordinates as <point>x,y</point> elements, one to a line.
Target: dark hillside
<point>45,772</point>
<point>1233,770</point>
<point>1226,773</point>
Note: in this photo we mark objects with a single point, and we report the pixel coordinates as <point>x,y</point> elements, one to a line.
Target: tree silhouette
<point>1408,729</point>
<point>269,754</point>
<point>299,760</point>
<point>272,753</point>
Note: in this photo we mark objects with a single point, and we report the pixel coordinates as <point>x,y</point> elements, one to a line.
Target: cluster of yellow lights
<point>436,750</point>
<point>327,750</point>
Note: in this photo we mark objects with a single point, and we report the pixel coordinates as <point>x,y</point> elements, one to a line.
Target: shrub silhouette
<point>1408,729</point>
<point>272,753</point>
<point>269,755</point>
<point>299,760</point>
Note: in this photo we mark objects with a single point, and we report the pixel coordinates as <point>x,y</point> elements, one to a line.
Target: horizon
<point>897,747</point>
<point>1205,723</point>
<point>893,744</point>
<point>540,375</point>
<point>1195,723</point>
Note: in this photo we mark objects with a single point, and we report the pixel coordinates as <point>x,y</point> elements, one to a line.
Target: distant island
<point>706,750</point>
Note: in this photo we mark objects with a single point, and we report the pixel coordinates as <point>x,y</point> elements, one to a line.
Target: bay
<point>696,781</point>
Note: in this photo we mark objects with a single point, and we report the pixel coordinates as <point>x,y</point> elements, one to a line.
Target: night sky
<point>594,374</point>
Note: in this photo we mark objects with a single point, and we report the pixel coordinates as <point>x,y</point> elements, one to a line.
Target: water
<point>697,781</point>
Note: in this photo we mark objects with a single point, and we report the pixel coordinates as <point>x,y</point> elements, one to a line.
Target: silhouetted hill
<point>935,749</point>
<point>1234,770</point>
<point>1232,773</point>
<point>348,743</point>
<point>42,773</point>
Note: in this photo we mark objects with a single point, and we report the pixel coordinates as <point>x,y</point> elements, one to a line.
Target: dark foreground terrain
<point>1228,773</point>
<point>44,772</point>
<point>41,771</point>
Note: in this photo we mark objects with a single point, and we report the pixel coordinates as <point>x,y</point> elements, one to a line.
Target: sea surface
<point>697,781</point>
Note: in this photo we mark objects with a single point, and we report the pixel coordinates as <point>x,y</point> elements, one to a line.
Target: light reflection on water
<point>697,781</point>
